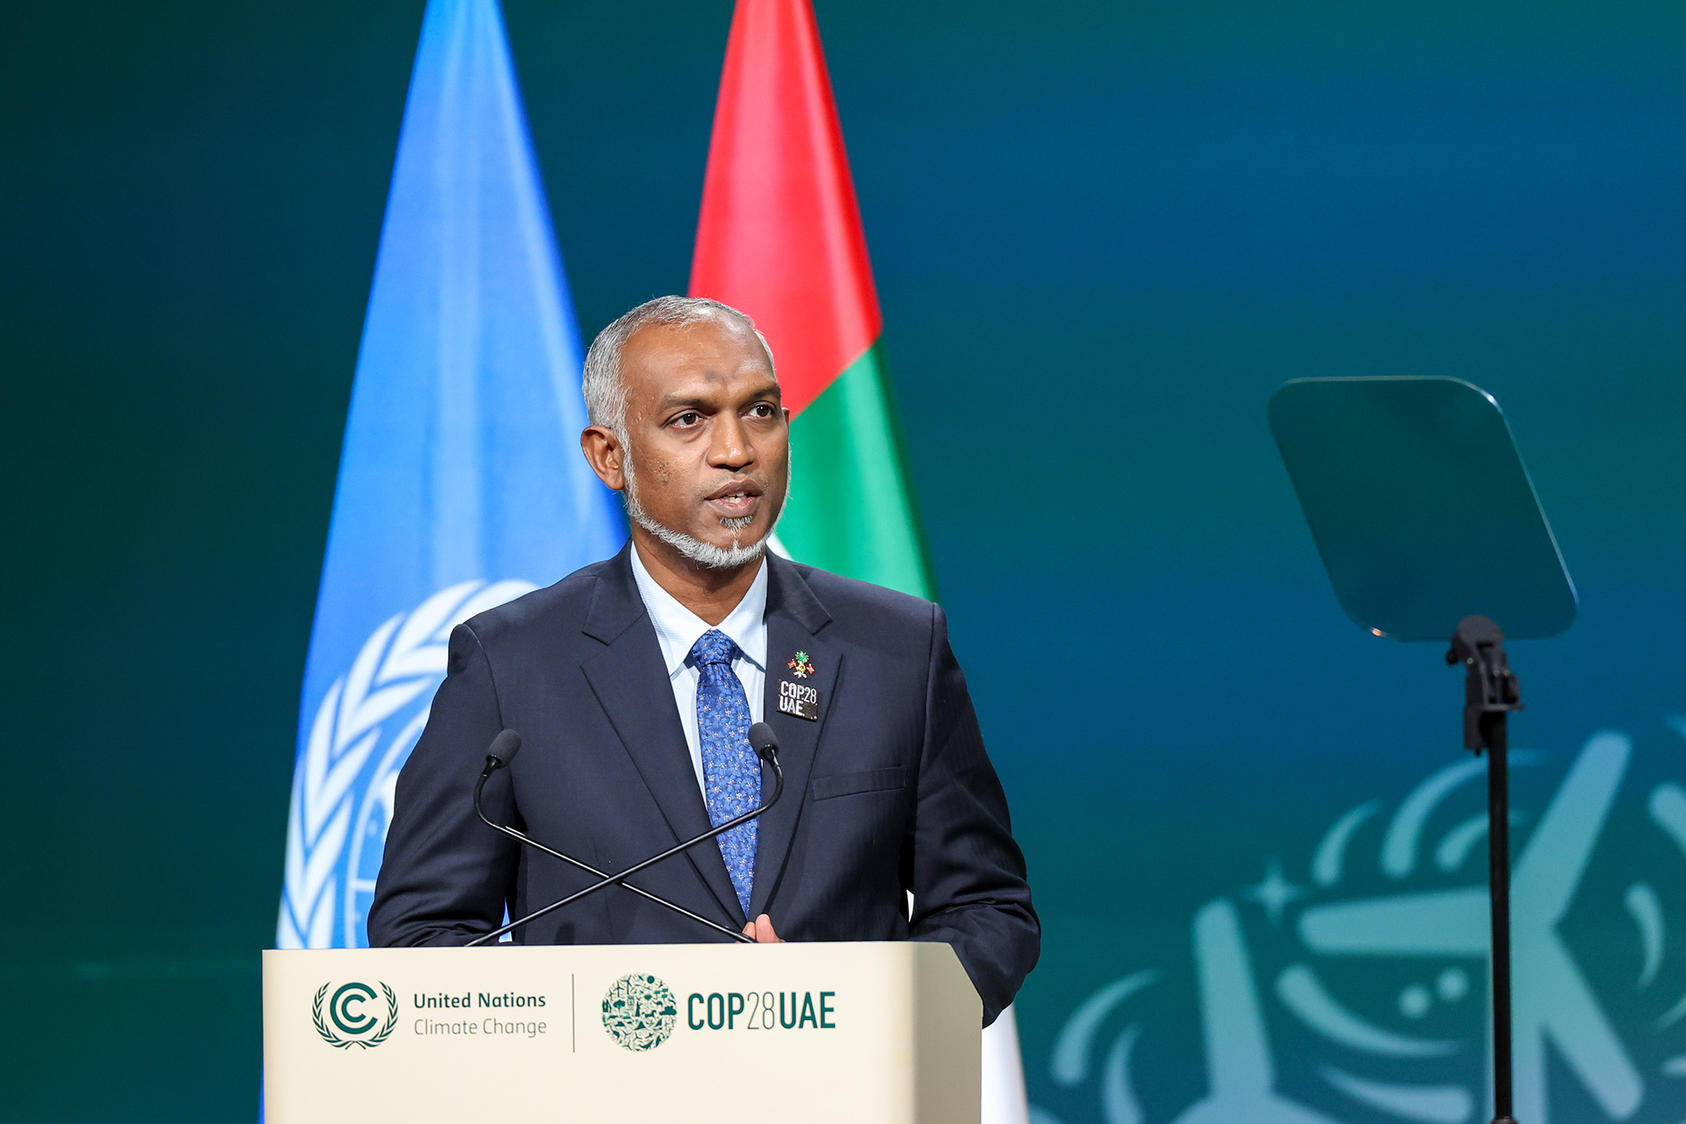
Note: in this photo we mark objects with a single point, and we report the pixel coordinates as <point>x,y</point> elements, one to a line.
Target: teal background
<point>1102,234</point>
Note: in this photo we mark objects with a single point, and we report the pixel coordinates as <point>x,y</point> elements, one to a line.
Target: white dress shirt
<point>677,629</point>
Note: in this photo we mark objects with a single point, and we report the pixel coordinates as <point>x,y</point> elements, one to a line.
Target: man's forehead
<point>708,349</point>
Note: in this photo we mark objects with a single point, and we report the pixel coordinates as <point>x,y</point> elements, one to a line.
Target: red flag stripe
<point>780,232</point>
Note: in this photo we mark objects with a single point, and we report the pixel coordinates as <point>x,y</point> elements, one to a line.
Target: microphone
<point>499,754</point>
<point>763,741</point>
<point>766,746</point>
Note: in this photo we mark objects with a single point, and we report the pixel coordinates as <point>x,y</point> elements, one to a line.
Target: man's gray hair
<point>604,384</point>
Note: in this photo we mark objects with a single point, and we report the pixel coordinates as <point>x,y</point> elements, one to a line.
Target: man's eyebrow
<point>673,401</point>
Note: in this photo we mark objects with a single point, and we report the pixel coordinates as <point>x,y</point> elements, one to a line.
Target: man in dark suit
<point>632,683</point>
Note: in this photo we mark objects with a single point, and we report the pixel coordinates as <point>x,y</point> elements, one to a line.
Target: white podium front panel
<point>815,1032</point>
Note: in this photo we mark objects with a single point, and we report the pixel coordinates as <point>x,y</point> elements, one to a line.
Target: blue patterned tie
<point>731,771</point>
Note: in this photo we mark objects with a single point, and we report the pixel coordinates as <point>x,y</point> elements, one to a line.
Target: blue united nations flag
<point>461,483</point>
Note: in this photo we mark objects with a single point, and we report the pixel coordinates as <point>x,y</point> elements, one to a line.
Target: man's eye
<point>686,420</point>
<point>762,410</point>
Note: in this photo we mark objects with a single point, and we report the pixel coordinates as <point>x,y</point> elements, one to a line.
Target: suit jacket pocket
<point>846,784</point>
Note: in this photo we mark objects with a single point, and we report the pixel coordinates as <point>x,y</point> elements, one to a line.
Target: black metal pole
<point>1495,734</point>
<point>1491,692</point>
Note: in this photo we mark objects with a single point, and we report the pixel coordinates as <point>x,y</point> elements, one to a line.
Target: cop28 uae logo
<point>352,1015</point>
<point>639,1012</point>
<point>1347,985</point>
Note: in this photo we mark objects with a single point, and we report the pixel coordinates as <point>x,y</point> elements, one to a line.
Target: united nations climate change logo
<point>639,1011</point>
<point>345,1019</point>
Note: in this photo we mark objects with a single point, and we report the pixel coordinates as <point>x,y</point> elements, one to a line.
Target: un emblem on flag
<point>360,736</point>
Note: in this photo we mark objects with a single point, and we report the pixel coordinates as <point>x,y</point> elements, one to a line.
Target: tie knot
<point>713,647</point>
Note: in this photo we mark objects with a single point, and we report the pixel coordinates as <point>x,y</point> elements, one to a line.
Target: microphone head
<point>504,748</point>
<point>764,741</point>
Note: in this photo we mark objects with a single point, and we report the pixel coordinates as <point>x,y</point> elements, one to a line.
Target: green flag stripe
<point>851,506</point>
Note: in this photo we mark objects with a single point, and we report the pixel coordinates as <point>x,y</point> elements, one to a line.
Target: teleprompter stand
<point>1424,516</point>
<point>1491,692</point>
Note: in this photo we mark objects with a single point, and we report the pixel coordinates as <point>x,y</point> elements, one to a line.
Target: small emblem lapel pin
<point>798,698</point>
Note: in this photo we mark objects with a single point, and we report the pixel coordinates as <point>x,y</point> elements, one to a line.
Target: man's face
<point>708,452</point>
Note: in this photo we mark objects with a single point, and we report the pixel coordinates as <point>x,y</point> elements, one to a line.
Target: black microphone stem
<point>480,787</point>
<point>613,879</point>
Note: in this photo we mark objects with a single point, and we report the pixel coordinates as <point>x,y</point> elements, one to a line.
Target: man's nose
<point>729,444</point>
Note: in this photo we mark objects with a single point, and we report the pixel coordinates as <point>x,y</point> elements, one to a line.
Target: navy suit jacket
<point>889,791</point>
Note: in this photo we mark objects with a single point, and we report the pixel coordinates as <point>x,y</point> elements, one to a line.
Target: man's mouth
<point>735,501</point>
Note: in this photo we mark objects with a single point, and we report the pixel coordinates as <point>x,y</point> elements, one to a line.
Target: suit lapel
<point>795,618</point>
<point>630,681</point>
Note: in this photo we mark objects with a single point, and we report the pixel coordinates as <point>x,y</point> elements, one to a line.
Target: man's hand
<point>762,930</point>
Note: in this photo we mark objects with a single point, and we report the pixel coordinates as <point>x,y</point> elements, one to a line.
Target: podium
<point>815,1032</point>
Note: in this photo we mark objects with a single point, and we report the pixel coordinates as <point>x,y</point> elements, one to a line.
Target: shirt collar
<point>677,628</point>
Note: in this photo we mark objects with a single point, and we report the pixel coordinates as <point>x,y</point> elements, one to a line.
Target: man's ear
<point>603,452</point>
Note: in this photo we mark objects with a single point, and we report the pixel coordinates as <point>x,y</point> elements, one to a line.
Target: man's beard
<point>702,553</point>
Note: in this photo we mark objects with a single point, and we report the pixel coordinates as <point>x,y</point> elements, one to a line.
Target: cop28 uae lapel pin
<point>798,698</point>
